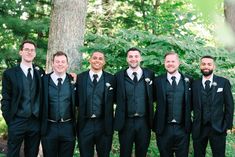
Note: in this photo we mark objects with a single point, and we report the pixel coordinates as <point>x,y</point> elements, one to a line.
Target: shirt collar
<point>55,77</point>
<point>210,79</point>
<point>139,72</point>
<point>177,77</point>
<point>91,73</point>
<point>25,69</point>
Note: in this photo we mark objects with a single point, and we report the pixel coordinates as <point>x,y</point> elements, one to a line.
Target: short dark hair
<point>27,41</point>
<point>97,51</point>
<point>133,49</point>
<point>59,53</point>
<point>171,53</point>
<point>208,56</point>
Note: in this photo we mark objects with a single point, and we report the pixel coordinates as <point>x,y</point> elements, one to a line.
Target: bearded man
<point>213,109</point>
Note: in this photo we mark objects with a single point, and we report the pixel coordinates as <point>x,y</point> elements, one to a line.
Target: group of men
<point>54,108</point>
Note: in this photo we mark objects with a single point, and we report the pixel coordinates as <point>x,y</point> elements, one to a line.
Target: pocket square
<point>219,90</point>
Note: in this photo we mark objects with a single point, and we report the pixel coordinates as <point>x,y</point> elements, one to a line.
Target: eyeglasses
<point>28,50</point>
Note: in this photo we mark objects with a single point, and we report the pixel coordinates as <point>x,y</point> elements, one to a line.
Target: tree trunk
<point>67,29</point>
<point>229,12</point>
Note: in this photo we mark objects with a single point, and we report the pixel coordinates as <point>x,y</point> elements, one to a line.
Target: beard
<point>206,73</point>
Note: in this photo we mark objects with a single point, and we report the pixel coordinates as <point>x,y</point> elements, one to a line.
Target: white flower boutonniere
<point>108,85</point>
<point>37,68</point>
<point>186,79</point>
<point>147,80</point>
<point>214,83</point>
<point>73,82</point>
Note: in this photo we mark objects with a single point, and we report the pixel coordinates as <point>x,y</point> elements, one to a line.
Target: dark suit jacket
<point>45,106</point>
<point>160,118</point>
<point>109,90</point>
<point>222,106</point>
<point>121,109</point>
<point>12,88</point>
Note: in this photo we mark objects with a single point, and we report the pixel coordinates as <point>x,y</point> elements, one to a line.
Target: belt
<point>93,116</point>
<point>61,120</point>
<point>135,115</point>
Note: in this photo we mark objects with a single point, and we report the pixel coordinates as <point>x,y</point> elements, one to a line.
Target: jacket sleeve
<point>229,105</point>
<point>6,97</point>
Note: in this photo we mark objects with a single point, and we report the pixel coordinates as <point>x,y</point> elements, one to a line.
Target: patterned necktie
<point>173,81</point>
<point>29,76</point>
<point>135,77</point>
<point>95,76</point>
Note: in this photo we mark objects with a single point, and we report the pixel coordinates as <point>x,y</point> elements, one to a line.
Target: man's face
<point>28,53</point>
<point>97,61</point>
<point>133,59</point>
<point>207,66</point>
<point>60,64</point>
<point>171,63</point>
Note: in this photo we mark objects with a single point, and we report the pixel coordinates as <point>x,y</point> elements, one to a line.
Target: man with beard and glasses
<point>134,111</point>
<point>213,108</point>
<point>172,120</point>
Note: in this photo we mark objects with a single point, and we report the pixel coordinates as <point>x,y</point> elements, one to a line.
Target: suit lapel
<point>146,75</point>
<point>84,86</point>
<point>199,86</point>
<point>163,86</point>
<point>19,78</point>
<point>213,87</point>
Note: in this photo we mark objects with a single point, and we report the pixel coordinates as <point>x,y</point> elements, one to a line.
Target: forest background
<point>190,27</point>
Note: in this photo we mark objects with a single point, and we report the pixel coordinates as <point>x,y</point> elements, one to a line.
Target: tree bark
<point>229,12</point>
<point>67,29</point>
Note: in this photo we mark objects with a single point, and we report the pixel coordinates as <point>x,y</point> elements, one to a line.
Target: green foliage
<point>20,20</point>
<point>189,48</point>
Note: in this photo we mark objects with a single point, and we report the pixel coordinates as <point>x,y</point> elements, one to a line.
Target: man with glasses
<point>21,99</point>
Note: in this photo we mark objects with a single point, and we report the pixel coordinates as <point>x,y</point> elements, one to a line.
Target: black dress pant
<point>135,131</point>
<point>23,129</point>
<point>59,140</point>
<point>174,140</point>
<point>93,135</point>
<point>217,142</point>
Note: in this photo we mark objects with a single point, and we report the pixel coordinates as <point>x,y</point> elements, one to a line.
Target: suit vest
<point>175,101</point>
<point>95,98</point>
<point>59,101</point>
<point>206,105</point>
<point>135,97</point>
<point>29,102</point>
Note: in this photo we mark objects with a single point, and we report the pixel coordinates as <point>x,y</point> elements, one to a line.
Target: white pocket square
<point>219,90</point>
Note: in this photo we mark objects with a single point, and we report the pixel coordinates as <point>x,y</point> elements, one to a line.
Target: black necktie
<point>59,83</point>
<point>173,81</point>
<point>135,77</point>
<point>29,76</point>
<point>95,76</point>
<point>207,85</point>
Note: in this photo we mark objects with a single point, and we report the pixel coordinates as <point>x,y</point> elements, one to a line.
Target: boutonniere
<point>147,80</point>
<point>214,83</point>
<point>36,68</point>
<point>108,85</point>
<point>72,82</point>
<point>186,79</point>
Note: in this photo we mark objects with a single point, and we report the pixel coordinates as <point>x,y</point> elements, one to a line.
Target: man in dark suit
<point>213,109</point>
<point>134,111</point>
<point>21,99</point>
<point>172,120</point>
<point>58,111</point>
<point>95,92</point>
